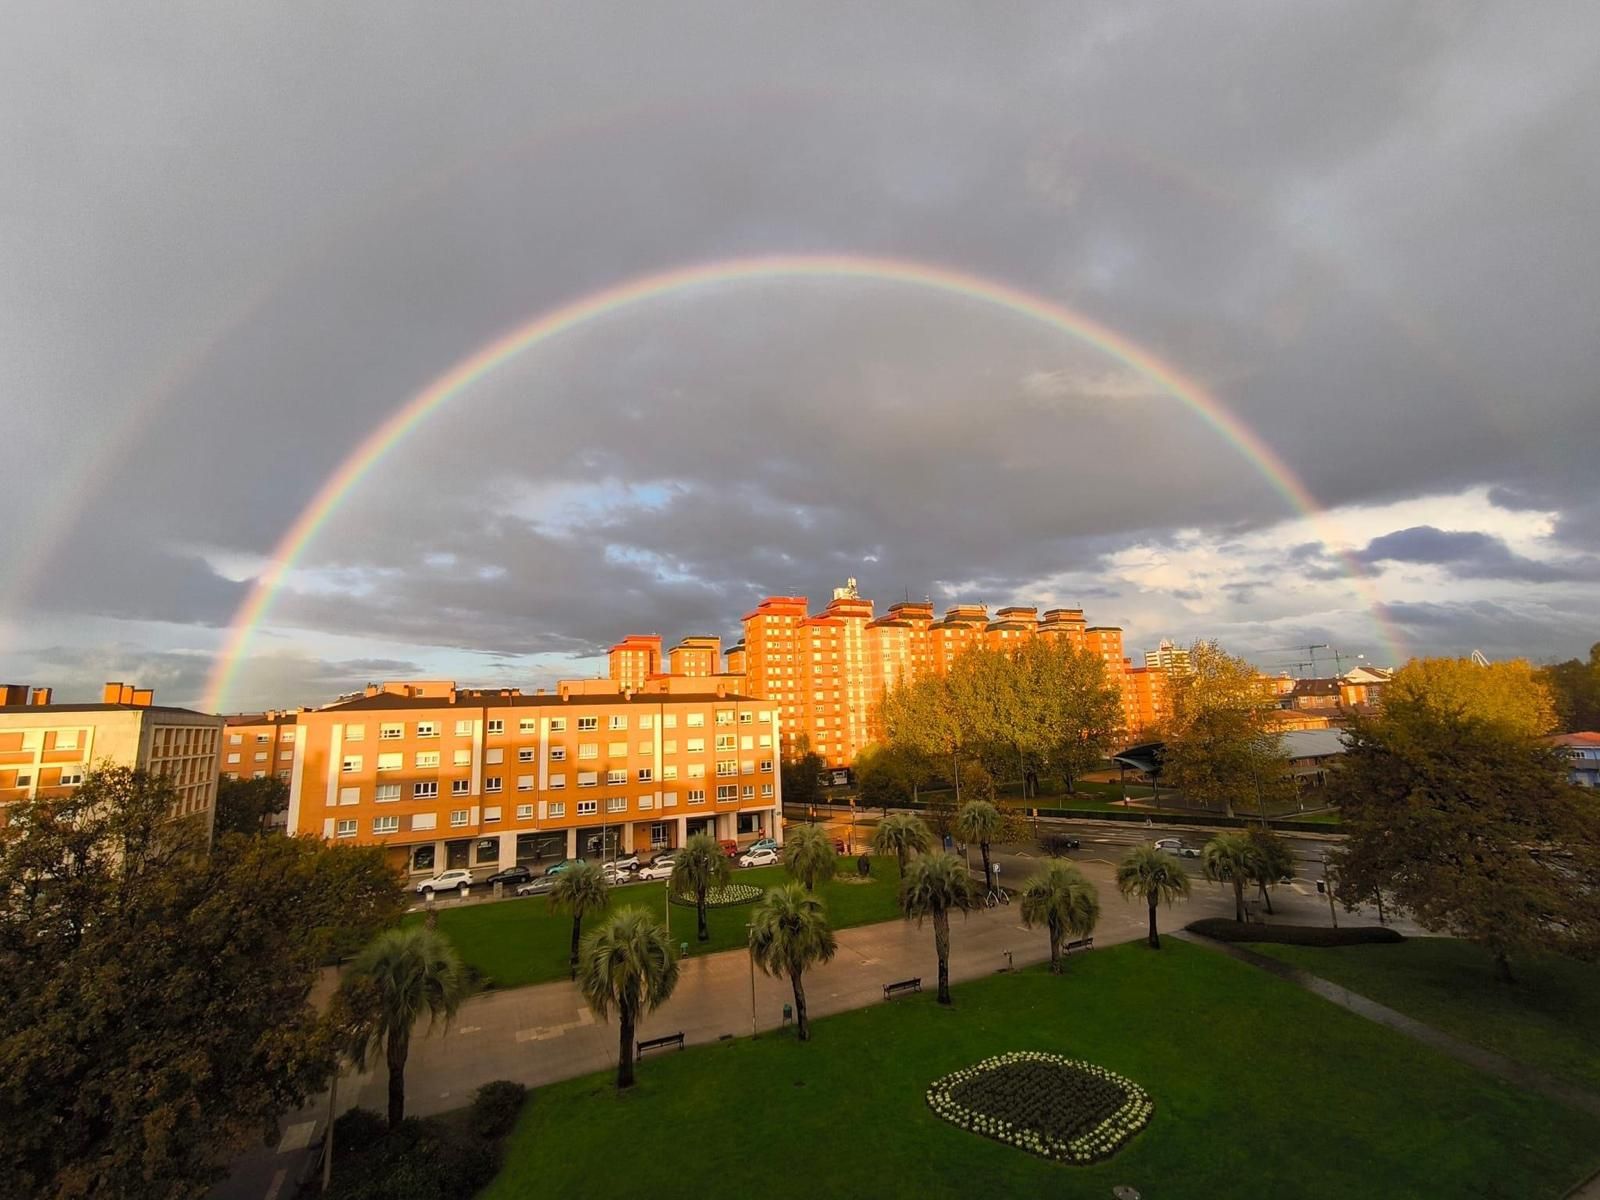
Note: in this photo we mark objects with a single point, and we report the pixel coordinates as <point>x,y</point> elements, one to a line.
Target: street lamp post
<point>750,944</point>
<point>1327,880</point>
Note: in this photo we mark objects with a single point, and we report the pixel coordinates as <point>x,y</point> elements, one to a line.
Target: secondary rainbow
<point>765,268</point>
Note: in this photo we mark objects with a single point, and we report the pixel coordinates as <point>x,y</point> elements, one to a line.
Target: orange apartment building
<point>449,777</point>
<point>696,657</point>
<point>635,660</point>
<point>46,748</point>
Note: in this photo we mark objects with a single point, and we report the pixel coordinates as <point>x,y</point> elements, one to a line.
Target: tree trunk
<point>1155,938</point>
<point>955,762</point>
<point>801,1024</point>
<point>625,1049</point>
<point>703,933</point>
<point>572,959</point>
<point>1238,900</point>
<point>900,853</point>
<point>1055,949</point>
<point>988,872</point>
<point>1502,967</point>
<point>941,943</point>
<point>1067,774</point>
<point>396,1052</point>
<point>1266,896</point>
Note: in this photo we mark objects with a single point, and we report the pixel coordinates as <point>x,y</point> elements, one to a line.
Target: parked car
<point>659,867</point>
<point>566,864</point>
<point>539,883</point>
<point>765,843</point>
<point>511,876</point>
<point>759,858</point>
<point>729,847</point>
<point>839,846</point>
<point>445,881</point>
<point>624,862</point>
<point>1175,846</point>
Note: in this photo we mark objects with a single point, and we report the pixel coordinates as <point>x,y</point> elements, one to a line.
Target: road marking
<point>541,1033</point>
<point>296,1137</point>
<point>277,1183</point>
<point>470,1029</point>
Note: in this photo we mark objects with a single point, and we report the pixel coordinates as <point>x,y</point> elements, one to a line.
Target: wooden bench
<point>658,1042</point>
<point>1081,944</point>
<point>891,990</point>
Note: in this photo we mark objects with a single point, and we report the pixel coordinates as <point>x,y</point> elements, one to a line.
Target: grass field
<point>1260,1089</point>
<point>513,943</point>
<point>1549,1018</point>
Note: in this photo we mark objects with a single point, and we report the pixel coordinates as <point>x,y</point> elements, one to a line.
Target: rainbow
<point>765,268</point>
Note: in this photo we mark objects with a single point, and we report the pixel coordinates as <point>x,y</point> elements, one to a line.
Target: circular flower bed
<point>1055,1107</point>
<point>724,897</point>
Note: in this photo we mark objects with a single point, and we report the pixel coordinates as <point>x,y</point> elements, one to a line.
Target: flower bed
<point>1055,1107</point>
<point>725,897</point>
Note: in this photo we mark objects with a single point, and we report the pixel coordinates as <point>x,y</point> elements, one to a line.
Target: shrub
<point>358,1129</point>
<point>421,1160</point>
<point>495,1108</point>
<point>1224,930</point>
<point>864,865</point>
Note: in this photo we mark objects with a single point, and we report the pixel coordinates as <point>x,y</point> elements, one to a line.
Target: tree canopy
<point>1218,746</point>
<point>248,805</point>
<point>1510,693</point>
<point>1575,688</point>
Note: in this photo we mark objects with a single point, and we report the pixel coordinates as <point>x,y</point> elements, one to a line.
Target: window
<point>421,791</point>
<point>460,787</point>
<point>525,754</point>
<point>658,835</point>
<point>695,745</point>
<point>669,720</point>
<point>491,814</point>
<point>726,767</point>
<point>587,808</point>
<point>726,741</point>
<point>458,817</point>
<point>588,724</point>
<point>697,770</point>
<point>491,783</point>
<point>697,795</point>
<point>390,762</point>
<point>387,792</point>
<point>745,717</point>
<point>616,749</point>
<point>285,755</point>
<point>427,759</point>
<point>646,748</point>
<point>749,792</point>
<point>669,771</point>
<point>670,746</point>
<point>350,795</point>
<point>558,781</point>
<point>389,824</point>
<point>524,783</point>
<point>617,804</point>
<point>617,722</point>
<point>234,739</point>
<point>646,801</point>
<point>461,758</point>
<point>589,750</point>
<point>616,777</point>
<point>345,828</point>
<point>464,728</point>
<point>233,758</point>
<point>558,754</point>
<point>766,741</point>
<point>524,812</point>
<point>647,721</point>
<point>724,716</point>
<point>72,776</point>
<point>425,821</point>
<point>261,740</point>
<point>588,778</point>
<point>261,756</point>
<point>427,729</point>
<point>746,767</point>
<point>766,790</point>
<point>766,718</point>
<point>351,764</point>
<point>727,791</point>
<point>695,720</point>
<point>646,775</point>
<point>389,733</point>
<point>558,724</point>
<point>558,809</point>
<point>352,733</point>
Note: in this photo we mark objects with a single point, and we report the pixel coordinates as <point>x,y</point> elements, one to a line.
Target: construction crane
<point>1479,659</point>
<point>1311,653</point>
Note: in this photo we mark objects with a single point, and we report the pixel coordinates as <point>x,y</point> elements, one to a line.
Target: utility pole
<point>1327,882</point>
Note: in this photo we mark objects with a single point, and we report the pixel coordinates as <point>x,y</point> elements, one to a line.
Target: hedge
<point>1224,930</point>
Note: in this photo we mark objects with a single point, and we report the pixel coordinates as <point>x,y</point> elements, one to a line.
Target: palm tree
<point>899,835</point>
<point>1060,898</point>
<point>627,964</point>
<point>1231,858</point>
<point>404,972</point>
<point>979,821</point>
<point>789,933</point>
<point>933,886</point>
<point>580,890</point>
<point>1148,872</point>
<point>700,866</point>
<point>1276,860</point>
<point>808,855</point>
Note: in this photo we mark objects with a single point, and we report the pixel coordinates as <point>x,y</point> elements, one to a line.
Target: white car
<point>766,857</point>
<point>445,881</point>
<point>661,868</point>
<point>1175,846</point>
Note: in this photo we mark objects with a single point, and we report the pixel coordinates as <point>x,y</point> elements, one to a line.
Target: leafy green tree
<point>407,973</point>
<point>1061,899</point>
<point>1219,746</point>
<point>808,855</point>
<point>1574,686</point>
<point>627,964</point>
<point>579,890</point>
<point>789,933</point>
<point>891,775</point>
<point>935,885</point>
<point>922,717</point>
<point>1511,693</point>
<point>902,835</point>
<point>1084,712</point>
<point>1470,825</point>
<point>700,866</point>
<point>158,1012</point>
<point>1274,860</point>
<point>1154,875</point>
<point>1231,858</point>
<point>247,806</point>
<point>981,822</point>
<point>800,771</point>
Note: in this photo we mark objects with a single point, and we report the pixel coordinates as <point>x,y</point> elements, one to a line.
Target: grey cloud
<point>1471,555</point>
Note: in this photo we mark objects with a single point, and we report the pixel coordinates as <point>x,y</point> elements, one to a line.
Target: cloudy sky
<point>235,238</point>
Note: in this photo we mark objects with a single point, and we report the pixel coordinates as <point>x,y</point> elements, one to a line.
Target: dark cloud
<point>1471,555</point>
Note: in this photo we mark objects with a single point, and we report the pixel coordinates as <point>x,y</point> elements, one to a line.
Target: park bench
<point>657,1042</point>
<point>1081,944</point>
<point>891,990</point>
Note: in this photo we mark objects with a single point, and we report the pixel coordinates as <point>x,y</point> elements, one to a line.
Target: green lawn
<point>513,943</point>
<point>1260,1089</point>
<point>1549,1018</point>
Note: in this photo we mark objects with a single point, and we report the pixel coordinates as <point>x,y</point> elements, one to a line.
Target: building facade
<point>1583,755</point>
<point>491,778</point>
<point>46,748</point>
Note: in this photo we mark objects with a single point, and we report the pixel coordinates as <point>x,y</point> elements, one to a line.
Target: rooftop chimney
<point>41,696</point>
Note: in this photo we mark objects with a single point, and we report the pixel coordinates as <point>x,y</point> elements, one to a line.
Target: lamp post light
<point>750,944</point>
